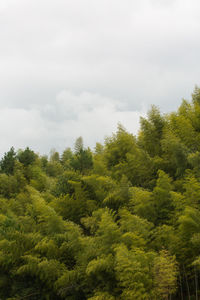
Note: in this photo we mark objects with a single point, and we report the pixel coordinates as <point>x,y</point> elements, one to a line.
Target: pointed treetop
<point>78,146</point>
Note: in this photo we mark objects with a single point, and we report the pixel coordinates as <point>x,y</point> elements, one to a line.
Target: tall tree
<point>7,163</point>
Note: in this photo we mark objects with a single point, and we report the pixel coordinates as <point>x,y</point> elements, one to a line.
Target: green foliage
<point>120,222</point>
<point>26,157</point>
<point>66,158</point>
<point>175,154</point>
<point>130,223</point>
<point>134,273</point>
<point>108,233</point>
<point>151,132</point>
<point>7,163</point>
<point>117,147</point>
<point>196,95</point>
<point>64,184</point>
<point>142,204</point>
<point>102,296</point>
<point>119,196</point>
<point>165,275</point>
<point>192,191</point>
<point>82,161</point>
<point>8,185</point>
<point>162,198</point>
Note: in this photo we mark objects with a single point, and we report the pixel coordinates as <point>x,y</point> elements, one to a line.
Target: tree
<point>78,146</point>
<point>82,159</point>
<point>118,146</point>
<point>162,198</point>
<point>7,163</point>
<point>119,222</point>
<point>119,196</point>
<point>66,158</point>
<point>165,273</point>
<point>142,204</point>
<point>134,273</point>
<point>151,132</point>
<point>196,95</point>
<point>175,154</point>
<point>26,157</point>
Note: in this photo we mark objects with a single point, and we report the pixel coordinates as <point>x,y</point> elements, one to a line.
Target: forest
<point>121,221</point>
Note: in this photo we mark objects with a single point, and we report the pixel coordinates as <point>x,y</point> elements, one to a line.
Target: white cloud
<point>110,58</point>
<point>135,50</point>
<point>58,125</point>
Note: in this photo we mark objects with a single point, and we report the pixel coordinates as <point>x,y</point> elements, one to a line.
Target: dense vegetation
<point>122,222</point>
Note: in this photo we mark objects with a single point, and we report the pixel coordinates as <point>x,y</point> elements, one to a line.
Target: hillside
<point>119,222</point>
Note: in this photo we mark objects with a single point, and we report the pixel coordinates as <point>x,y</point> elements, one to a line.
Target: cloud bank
<point>59,124</point>
<point>73,67</point>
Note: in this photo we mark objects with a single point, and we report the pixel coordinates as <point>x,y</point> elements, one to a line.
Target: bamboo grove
<point>119,222</point>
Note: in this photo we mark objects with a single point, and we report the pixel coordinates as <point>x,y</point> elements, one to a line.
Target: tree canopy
<point>119,222</point>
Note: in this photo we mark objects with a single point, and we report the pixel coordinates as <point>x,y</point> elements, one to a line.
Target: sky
<point>71,68</point>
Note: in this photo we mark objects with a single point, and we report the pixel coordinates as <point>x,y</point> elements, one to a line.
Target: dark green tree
<point>26,157</point>
<point>7,163</point>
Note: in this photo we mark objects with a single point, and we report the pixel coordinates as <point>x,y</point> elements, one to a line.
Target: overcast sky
<point>71,68</point>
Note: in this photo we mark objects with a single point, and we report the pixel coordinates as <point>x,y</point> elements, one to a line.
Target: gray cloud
<point>60,123</point>
<point>72,62</point>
